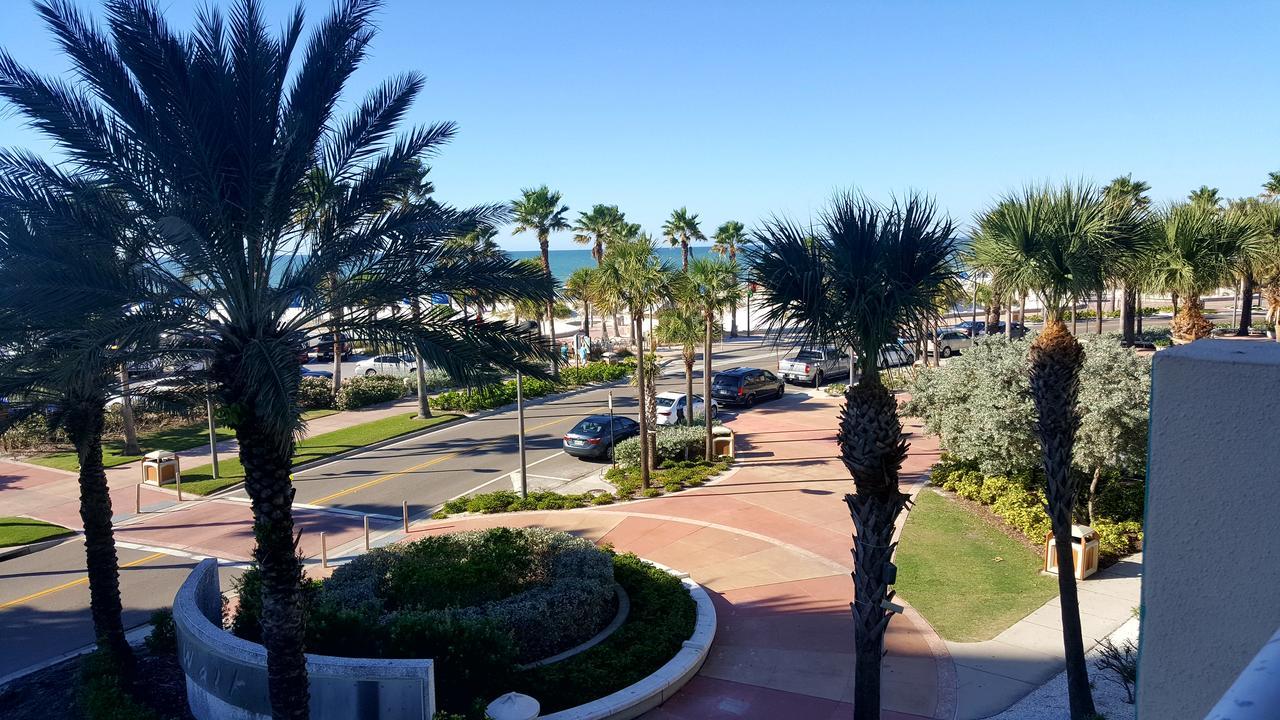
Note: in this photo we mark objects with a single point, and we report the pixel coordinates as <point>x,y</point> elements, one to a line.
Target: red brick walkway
<point>771,544</point>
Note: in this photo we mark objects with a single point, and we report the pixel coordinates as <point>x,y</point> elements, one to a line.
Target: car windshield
<point>665,401</point>
<point>808,355</point>
<point>587,427</point>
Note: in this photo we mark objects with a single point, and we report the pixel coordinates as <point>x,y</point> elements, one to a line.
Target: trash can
<point>160,468</point>
<point>721,441</point>
<point>1084,552</point>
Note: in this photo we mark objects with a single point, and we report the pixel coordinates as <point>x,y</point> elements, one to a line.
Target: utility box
<point>1084,552</point>
<point>160,468</point>
<point>721,441</point>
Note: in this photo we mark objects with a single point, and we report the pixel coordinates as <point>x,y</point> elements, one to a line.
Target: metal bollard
<point>406,516</point>
<point>366,533</point>
<point>324,551</point>
<point>137,499</point>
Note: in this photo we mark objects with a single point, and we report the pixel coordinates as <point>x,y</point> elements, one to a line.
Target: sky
<point>743,110</point>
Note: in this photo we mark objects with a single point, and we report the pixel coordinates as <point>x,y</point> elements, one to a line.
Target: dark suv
<point>744,386</point>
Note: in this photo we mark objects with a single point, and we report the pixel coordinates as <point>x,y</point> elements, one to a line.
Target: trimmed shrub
<point>433,380</point>
<point>103,695</point>
<point>163,638</point>
<point>1118,538</point>
<point>675,442</point>
<point>360,392</point>
<point>315,394</point>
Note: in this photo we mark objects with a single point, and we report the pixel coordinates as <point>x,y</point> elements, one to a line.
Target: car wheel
<point>817,379</point>
<point>751,400</point>
<point>946,351</point>
<point>370,373</point>
<point>782,387</point>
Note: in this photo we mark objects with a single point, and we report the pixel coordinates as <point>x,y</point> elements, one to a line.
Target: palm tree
<point>540,210</point>
<point>597,227</point>
<point>1206,197</point>
<point>714,286</point>
<point>680,230</point>
<point>682,325</point>
<point>210,136</point>
<point>634,277</point>
<point>1128,203</point>
<point>864,273</point>
<point>1054,241</point>
<point>482,243</point>
<point>728,238</point>
<point>65,358</point>
<point>1271,188</point>
<point>579,287</point>
<point>1196,248</point>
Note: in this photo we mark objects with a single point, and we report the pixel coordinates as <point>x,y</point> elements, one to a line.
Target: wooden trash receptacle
<point>160,468</point>
<point>1084,552</point>
<point>721,441</point>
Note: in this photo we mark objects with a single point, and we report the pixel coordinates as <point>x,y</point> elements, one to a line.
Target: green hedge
<point>315,394</point>
<point>672,476</point>
<point>675,442</point>
<point>488,397</point>
<point>359,392</point>
<point>502,501</point>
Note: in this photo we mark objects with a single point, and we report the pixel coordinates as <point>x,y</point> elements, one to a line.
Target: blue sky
<point>743,109</point>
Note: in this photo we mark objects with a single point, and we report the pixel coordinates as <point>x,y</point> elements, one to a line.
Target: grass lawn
<point>22,531</point>
<point>968,578</point>
<point>199,480</point>
<point>172,439</point>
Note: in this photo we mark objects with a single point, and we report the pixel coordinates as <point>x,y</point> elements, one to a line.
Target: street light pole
<point>524,483</point>
<point>213,432</point>
<point>613,442</point>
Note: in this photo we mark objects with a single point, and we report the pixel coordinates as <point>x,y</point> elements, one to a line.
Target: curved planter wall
<point>227,676</point>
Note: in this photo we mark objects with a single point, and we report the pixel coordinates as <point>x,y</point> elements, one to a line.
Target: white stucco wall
<point>1211,577</point>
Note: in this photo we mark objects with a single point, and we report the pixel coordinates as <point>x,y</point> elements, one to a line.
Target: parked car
<point>394,365</point>
<point>671,408</point>
<point>321,349</point>
<point>745,385</point>
<point>323,374</point>
<point>592,437</point>
<point>1019,330</point>
<point>972,328</point>
<point>894,355</point>
<point>949,342</point>
<point>810,365</point>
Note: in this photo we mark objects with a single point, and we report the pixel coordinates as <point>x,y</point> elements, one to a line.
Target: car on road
<point>895,354</point>
<point>811,365</point>
<point>745,385</point>
<point>972,328</point>
<point>321,349</point>
<point>322,374</point>
<point>671,408</point>
<point>949,342</point>
<point>393,365</point>
<point>593,437</point>
<point>1019,330</point>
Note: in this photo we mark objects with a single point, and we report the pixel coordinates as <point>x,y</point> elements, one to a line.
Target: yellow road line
<point>74,583</point>
<point>420,466</point>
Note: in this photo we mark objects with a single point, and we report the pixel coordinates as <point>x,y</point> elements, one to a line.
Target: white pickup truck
<point>811,365</point>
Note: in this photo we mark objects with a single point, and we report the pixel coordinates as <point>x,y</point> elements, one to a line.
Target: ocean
<point>564,262</point>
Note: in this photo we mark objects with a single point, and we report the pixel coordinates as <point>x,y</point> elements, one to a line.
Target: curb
<point>20,550</point>
<point>641,697</point>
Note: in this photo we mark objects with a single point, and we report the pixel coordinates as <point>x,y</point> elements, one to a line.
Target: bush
<point>675,442</point>
<point>433,380</point>
<point>672,477</point>
<point>836,389</point>
<point>1117,539</point>
<point>102,694</point>
<point>472,656</point>
<point>163,638</point>
<point>360,392</point>
<point>315,394</point>
<point>595,372</point>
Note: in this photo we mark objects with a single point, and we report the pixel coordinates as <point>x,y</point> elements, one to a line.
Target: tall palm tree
<point>1206,197</point>
<point>210,135</point>
<point>1128,203</point>
<point>540,210</point>
<point>682,325</point>
<point>1054,240</point>
<point>680,230</point>
<point>633,276</point>
<point>728,238</point>
<point>864,273</point>
<point>1196,248</point>
<point>482,243</point>
<point>714,286</point>
<point>65,358</point>
<point>597,227</point>
<point>579,287</point>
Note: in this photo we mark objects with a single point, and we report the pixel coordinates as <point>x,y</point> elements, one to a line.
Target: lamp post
<point>524,484</point>
<point>213,431</point>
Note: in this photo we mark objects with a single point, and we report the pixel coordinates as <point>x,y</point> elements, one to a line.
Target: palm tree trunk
<point>126,414</point>
<point>688,383</point>
<point>1246,308</point>
<point>1099,311</point>
<point>1137,309</point>
<point>1056,358</point>
<point>335,328</point>
<point>1075,318</point>
<point>266,461</point>
<point>543,244</point>
<point>1008,325</point>
<point>1022,309</point>
<point>85,431</point>
<point>684,254</point>
<point>1128,315</point>
<point>637,319</point>
<point>706,384</point>
<point>424,403</point>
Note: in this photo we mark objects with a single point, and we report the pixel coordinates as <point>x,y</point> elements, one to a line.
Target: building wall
<point>1211,552</point>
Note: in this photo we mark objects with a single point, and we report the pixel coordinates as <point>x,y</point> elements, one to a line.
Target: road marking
<point>74,583</point>
<point>422,466</point>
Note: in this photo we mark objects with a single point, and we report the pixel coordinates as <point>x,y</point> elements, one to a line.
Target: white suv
<point>394,365</point>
